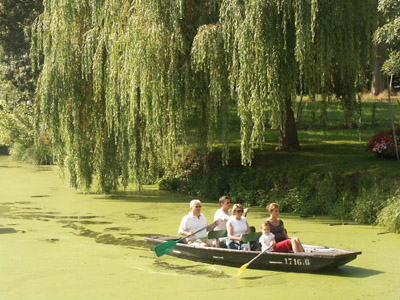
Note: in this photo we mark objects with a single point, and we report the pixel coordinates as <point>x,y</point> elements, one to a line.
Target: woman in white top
<point>236,226</point>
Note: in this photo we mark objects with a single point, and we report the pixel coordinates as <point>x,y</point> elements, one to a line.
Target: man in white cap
<point>192,222</point>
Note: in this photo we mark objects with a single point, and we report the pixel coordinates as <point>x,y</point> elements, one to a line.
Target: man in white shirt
<point>192,222</point>
<point>224,213</point>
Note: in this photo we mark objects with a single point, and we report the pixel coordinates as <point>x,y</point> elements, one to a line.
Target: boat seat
<point>251,237</point>
<point>216,234</point>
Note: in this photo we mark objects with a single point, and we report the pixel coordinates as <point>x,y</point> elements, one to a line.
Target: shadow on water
<point>7,230</point>
<point>191,270</point>
<point>350,271</point>
<point>251,278</point>
<point>128,240</point>
<point>344,271</point>
<point>150,195</point>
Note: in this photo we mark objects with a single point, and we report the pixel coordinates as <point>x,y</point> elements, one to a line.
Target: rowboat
<point>314,258</point>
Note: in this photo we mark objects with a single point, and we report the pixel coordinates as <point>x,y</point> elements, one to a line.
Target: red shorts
<point>283,246</point>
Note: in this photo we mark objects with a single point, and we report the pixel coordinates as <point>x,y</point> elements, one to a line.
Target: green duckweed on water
<point>60,244</point>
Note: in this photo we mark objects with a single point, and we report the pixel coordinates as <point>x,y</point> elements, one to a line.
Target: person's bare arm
<point>213,225</point>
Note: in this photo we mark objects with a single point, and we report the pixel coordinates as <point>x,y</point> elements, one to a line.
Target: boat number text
<point>297,261</point>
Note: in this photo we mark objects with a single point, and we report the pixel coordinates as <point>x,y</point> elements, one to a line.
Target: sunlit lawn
<point>336,148</point>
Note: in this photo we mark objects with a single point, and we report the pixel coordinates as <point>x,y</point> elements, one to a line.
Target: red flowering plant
<point>382,144</point>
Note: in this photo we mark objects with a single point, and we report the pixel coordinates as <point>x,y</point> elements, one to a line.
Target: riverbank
<point>69,245</point>
<point>340,180</point>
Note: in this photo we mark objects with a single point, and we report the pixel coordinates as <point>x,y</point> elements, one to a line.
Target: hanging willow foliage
<point>120,78</point>
<point>211,83</point>
<point>260,41</point>
<point>276,46</point>
<point>114,84</point>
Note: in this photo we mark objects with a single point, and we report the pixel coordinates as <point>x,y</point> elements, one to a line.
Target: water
<point>56,243</point>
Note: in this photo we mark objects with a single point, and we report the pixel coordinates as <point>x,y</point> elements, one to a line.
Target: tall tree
<point>275,46</point>
<point>121,78</point>
<point>115,85</point>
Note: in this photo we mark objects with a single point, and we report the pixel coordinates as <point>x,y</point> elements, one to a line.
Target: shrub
<point>368,205</point>
<point>303,190</point>
<point>382,144</point>
<point>389,217</point>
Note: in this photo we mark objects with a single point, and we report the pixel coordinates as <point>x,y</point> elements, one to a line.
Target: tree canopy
<point>122,79</point>
<point>389,34</point>
<point>17,81</point>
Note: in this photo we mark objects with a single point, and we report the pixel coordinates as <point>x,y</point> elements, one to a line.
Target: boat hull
<point>316,258</point>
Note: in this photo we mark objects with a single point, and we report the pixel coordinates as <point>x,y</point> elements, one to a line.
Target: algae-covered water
<point>56,243</point>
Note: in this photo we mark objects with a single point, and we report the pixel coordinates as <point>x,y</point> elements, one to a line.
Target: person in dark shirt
<point>283,242</point>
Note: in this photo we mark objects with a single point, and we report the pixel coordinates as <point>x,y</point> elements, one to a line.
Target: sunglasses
<point>239,211</point>
<point>197,206</point>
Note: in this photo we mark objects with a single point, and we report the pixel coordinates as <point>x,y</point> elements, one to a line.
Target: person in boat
<point>267,239</point>
<point>192,222</point>
<point>223,213</point>
<point>284,243</point>
<point>237,226</point>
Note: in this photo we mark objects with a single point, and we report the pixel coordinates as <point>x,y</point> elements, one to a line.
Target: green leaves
<point>121,79</point>
<point>389,34</point>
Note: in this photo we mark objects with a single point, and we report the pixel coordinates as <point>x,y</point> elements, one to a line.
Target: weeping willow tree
<point>120,79</point>
<point>114,84</point>
<point>211,84</point>
<point>260,40</point>
<point>277,46</point>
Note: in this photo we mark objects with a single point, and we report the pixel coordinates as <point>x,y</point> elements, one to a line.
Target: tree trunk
<point>289,140</point>
<point>377,80</point>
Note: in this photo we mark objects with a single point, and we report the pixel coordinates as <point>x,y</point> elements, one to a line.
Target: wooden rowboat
<point>315,258</point>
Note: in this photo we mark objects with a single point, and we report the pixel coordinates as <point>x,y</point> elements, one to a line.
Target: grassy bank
<point>333,174</point>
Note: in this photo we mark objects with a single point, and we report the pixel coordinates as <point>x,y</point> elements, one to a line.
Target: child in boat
<point>267,239</point>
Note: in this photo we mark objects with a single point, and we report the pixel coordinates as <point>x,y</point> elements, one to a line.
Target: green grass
<point>335,129</point>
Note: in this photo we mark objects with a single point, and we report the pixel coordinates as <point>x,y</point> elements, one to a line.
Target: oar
<point>244,267</point>
<point>168,246</point>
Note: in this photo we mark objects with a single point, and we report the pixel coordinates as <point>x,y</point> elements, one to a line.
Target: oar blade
<point>165,247</point>
<point>242,268</point>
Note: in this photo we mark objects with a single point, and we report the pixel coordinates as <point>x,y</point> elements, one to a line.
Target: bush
<point>301,188</point>
<point>368,205</point>
<point>382,144</point>
<point>389,217</point>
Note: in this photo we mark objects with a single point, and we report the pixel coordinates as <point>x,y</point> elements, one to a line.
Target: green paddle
<point>168,246</point>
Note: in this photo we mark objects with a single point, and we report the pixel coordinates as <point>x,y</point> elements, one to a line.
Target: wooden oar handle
<point>258,255</point>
